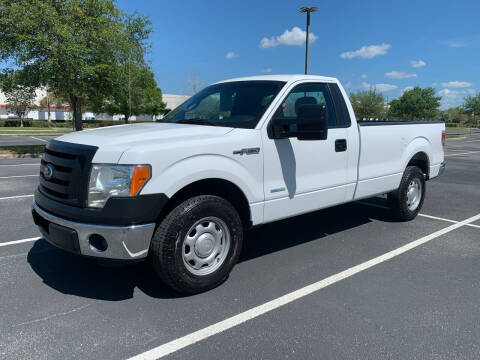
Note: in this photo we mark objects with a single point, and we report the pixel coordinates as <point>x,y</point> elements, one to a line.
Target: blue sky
<point>390,45</point>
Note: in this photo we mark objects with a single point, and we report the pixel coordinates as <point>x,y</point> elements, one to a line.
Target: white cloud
<point>456,84</point>
<point>385,87</point>
<point>267,70</point>
<point>367,52</point>
<point>452,98</point>
<point>364,76</point>
<point>230,55</point>
<point>379,87</point>
<point>417,63</point>
<point>348,85</point>
<point>456,43</point>
<point>294,37</point>
<point>406,89</point>
<point>399,75</point>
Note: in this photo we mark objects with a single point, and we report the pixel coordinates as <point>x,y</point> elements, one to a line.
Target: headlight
<point>115,180</point>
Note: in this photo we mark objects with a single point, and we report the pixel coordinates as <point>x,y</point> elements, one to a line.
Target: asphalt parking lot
<point>341,283</point>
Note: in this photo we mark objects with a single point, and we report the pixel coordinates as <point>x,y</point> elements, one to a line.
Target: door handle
<point>340,145</point>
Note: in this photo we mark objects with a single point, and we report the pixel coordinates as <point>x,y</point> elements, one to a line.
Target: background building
<point>63,112</point>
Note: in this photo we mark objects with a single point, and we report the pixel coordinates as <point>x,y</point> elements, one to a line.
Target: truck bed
<point>397,122</point>
<point>386,148</point>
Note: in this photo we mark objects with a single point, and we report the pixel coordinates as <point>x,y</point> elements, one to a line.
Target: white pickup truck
<point>239,153</point>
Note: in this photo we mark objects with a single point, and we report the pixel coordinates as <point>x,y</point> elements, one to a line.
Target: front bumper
<point>117,242</point>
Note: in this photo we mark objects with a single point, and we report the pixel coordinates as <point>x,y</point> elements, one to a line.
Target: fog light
<point>97,243</point>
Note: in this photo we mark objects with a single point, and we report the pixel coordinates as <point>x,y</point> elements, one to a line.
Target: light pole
<point>308,11</point>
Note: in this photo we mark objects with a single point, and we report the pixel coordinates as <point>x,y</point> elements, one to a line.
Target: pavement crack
<point>52,316</point>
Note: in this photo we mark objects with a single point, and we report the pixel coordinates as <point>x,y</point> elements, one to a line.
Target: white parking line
<point>15,242</point>
<point>33,137</point>
<point>15,197</point>
<point>16,176</point>
<point>422,215</point>
<point>447,220</point>
<point>202,334</point>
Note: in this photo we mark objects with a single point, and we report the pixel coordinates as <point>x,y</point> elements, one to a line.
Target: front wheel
<point>197,244</point>
<point>407,200</point>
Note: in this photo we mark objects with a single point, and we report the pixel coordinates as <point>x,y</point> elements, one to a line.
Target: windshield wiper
<point>196,122</point>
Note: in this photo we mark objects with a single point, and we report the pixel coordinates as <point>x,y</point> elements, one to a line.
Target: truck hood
<point>129,134</point>
<point>112,141</point>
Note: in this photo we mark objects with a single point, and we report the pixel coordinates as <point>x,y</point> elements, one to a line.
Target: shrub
<point>15,123</point>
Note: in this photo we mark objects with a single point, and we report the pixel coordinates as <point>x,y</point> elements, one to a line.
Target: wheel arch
<point>421,160</point>
<point>213,186</point>
<point>417,153</point>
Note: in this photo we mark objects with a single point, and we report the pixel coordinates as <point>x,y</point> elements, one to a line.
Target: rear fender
<point>418,145</point>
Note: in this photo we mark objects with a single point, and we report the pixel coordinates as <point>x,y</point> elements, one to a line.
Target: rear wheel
<point>407,200</point>
<point>197,244</point>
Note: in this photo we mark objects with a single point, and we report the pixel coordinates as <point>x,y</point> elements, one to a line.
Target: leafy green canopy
<point>416,103</point>
<point>19,99</point>
<point>72,46</point>
<point>368,104</point>
<point>136,93</point>
<point>472,104</point>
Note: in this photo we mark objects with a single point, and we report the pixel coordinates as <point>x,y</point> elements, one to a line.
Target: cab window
<point>307,94</point>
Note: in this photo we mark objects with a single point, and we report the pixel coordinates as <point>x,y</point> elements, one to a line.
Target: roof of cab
<point>286,78</point>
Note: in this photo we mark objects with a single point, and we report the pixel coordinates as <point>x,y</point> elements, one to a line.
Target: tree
<point>416,103</point>
<point>135,93</point>
<point>19,98</point>
<point>456,115</point>
<point>153,103</point>
<point>368,104</point>
<point>51,99</point>
<point>472,105</point>
<point>71,46</point>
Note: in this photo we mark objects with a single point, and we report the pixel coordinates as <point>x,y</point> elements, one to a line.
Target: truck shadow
<point>291,232</point>
<point>75,275</point>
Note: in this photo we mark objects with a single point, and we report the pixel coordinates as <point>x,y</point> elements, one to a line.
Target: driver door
<point>304,175</point>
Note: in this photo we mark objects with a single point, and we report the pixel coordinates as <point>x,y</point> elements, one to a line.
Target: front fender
<point>207,166</point>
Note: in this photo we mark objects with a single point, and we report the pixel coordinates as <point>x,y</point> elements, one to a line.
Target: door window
<point>307,94</point>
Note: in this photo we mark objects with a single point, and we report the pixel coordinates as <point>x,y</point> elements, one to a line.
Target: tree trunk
<point>126,118</point>
<point>76,105</point>
<point>48,109</point>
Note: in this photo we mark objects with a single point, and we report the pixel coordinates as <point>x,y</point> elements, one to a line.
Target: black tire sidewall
<point>180,221</point>
<point>410,174</point>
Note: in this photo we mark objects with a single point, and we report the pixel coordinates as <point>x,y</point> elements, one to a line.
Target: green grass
<point>19,150</point>
<point>453,136</point>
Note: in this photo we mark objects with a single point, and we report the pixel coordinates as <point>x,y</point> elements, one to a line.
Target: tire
<point>192,234</point>
<point>405,207</point>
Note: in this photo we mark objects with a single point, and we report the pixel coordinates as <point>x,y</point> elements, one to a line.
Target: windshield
<point>238,104</point>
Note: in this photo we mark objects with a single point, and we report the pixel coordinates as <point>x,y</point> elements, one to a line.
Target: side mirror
<point>280,128</point>
<point>166,111</point>
<point>312,122</point>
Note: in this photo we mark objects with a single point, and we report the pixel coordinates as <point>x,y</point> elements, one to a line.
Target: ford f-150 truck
<point>239,153</point>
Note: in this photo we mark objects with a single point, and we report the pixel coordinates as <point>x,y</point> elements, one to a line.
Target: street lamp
<point>308,11</point>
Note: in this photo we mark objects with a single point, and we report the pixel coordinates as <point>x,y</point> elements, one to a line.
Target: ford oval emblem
<point>47,171</point>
